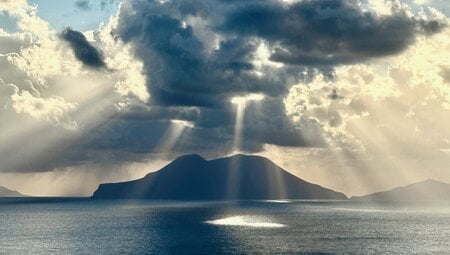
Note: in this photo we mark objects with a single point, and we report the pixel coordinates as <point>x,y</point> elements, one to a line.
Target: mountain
<point>4,192</point>
<point>426,191</point>
<point>192,177</point>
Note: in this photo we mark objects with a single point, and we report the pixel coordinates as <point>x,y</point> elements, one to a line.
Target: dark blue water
<point>252,227</point>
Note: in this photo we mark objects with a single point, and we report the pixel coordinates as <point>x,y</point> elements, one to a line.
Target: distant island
<point>5,192</point>
<point>191,177</point>
<point>426,191</point>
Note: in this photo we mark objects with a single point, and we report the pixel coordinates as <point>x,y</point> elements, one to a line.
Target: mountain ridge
<point>5,192</point>
<point>423,191</point>
<point>192,177</point>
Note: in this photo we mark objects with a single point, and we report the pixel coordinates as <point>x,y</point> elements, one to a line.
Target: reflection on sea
<point>245,221</point>
<point>82,226</point>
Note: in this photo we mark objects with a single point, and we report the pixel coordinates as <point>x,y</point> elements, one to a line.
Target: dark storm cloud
<point>83,50</point>
<point>83,5</point>
<point>144,112</point>
<point>181,72</point>
<point>203,64</point>
<point>197,55</point>
<point>326,32</point>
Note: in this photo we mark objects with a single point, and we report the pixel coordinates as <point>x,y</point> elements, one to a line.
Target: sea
<point>85,226</point>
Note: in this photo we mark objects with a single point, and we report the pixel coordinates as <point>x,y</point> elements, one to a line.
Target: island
<point>239,177</point>
<point>5,192</point>
<point>421,192</point>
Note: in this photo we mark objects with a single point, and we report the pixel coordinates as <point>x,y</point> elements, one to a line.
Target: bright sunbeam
<point>237,139</point>
<point>244,99</point>
<point>176,130</point>
<point>183,123</point>
<point>241,103</point>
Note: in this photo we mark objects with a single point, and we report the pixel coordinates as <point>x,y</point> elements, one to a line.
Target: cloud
<point>393,128</point>
<point>354,91</point>
<point>202,53</point>
<point>83,50</point>
<point>6,91</point>
<point>392,108</point>
<point>13,42</point>
<point>175,61</point>
<point>327,32</point>
<point>184,70</point>
<point>83,5</point>
<point>105,3</point>
<point>49,103</point>
<point>55,110</point>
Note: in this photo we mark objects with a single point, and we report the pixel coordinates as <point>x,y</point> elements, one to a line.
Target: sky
<point>353,95</point>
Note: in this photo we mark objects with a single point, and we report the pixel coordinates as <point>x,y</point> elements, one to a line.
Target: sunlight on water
<point>246,227</point>
<point>278,201</point>
<point>245,221</point>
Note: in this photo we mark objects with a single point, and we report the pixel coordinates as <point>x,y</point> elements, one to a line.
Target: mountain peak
<point>191,177</point>
<point>241,155</point>
<point>193,157</point>
<point>5,192</point>
<point>425,191</point>
<point>431,181</point>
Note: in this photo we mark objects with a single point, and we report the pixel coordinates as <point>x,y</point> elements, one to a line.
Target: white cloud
<point>127,70</point>
<point>54,110</point>
<point>6,91</point>
<point>389,116</point>
<point>415,79</point>
<point>36,60</point>
<point>384,114</point>
<point>44,87</point>
<point>421,1</point>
